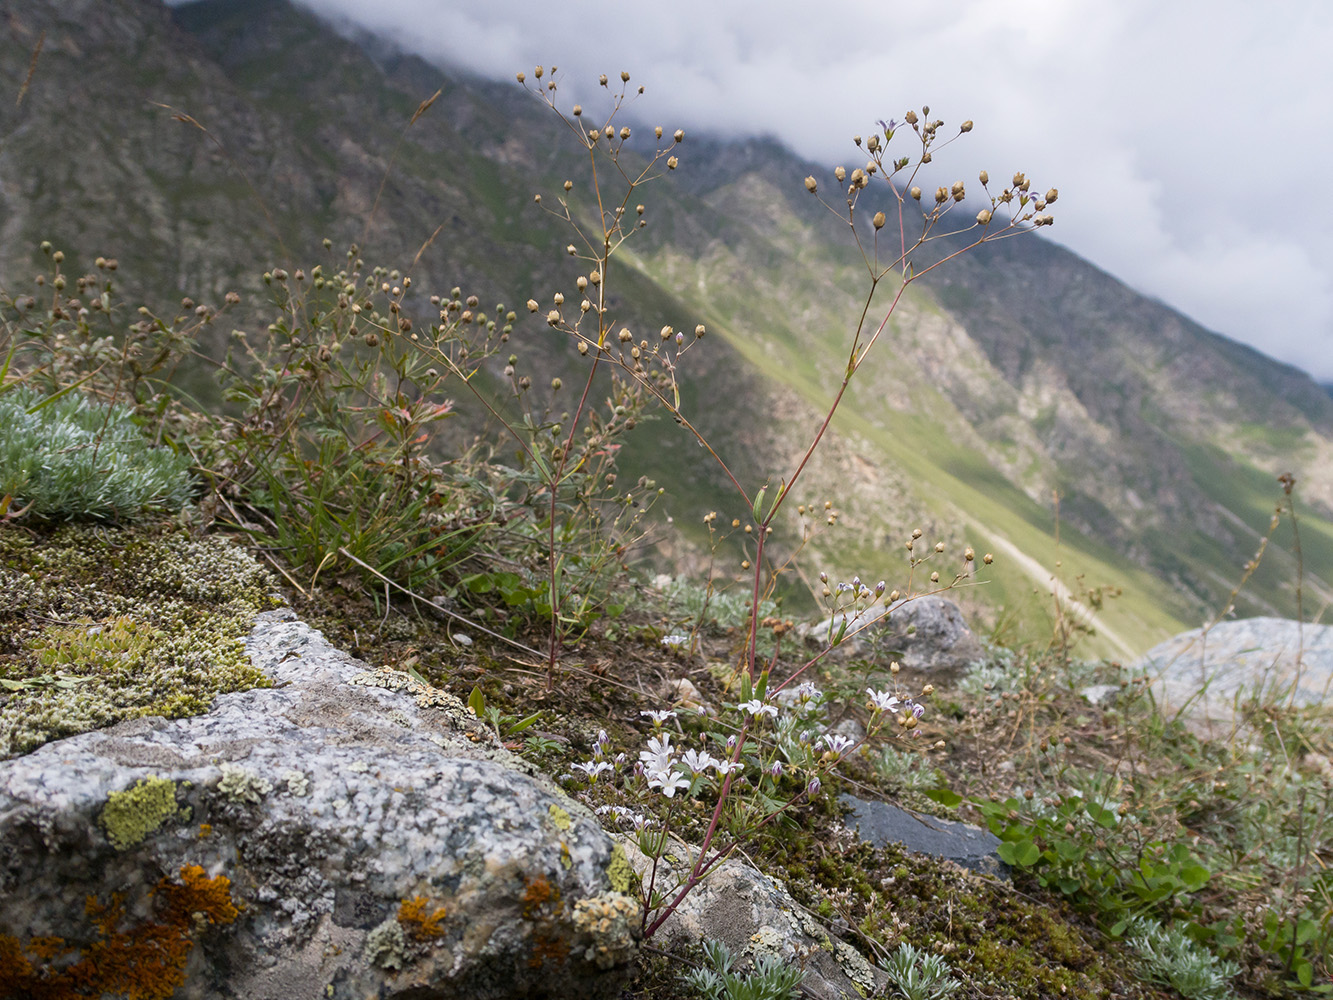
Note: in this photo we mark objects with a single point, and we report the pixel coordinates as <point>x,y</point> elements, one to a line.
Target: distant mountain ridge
<point>1017,375</point>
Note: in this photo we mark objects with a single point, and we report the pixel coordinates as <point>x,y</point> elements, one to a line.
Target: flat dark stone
<point>880,824</point>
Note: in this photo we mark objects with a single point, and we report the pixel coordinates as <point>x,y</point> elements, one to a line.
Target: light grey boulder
<point>753,915</point>
<point>881,823</point>
<point>1207,674</point>
<point>375,841</point>
<point>927,633</point>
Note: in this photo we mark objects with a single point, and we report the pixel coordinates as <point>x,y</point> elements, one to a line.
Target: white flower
<point>697,762</point>
<point>659,716</point>
<point>592,768</point>
<point>668,782</point>
<point>725,767</point>
<point>757,708</point>
<point>838,743</point>
<point>883,700</point>
<point>675,640</point>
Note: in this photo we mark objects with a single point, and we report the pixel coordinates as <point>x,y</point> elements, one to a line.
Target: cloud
<point>1185,138</point>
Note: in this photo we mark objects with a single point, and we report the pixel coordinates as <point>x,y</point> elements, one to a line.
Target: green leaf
<point>1023,853</point>
<point>945,796</point>
<point>1195,877</point>
<point>1304,972</point>
<point>777,499</point>
<point>747,687</point>
<point>477,702</point>
<point>523,724</point>
<point>762,687</point>
<point>1103,817</point>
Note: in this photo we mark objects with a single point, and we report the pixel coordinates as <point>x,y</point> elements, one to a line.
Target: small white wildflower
<point>659,716</point>
<point>668,782</point>
<point>697,762</point>
<point>725,767</point>
<point>675,640</point>
<point>757,708</point>
<point>838,743</point>
<point>883,700</point>
<point>592,768</point>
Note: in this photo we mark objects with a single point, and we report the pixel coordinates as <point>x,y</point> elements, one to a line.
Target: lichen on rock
<point>133,814</point>
<point>102,625</point>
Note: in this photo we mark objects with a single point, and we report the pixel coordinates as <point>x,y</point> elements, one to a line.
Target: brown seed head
<point>910,118</point>
<point>879,220</point>
<point>916,193</point>
<point>966,126</point>
<point>811,185</point>
<point>983,219</point>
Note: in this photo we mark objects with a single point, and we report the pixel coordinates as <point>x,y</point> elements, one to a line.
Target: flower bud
<point>811,185</point>
<point>521,77</point>
<point>916,193</point>
<point>983,177</point>
<point>966,126</point>
<point>988,558</point>
<point>879,220</point>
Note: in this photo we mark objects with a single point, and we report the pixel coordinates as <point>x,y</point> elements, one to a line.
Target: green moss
<point>102,625</point>
<point>130,816</point>
<point>620,872</point>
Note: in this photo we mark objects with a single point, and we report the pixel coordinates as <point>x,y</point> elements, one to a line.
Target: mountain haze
<point>1013,375</point>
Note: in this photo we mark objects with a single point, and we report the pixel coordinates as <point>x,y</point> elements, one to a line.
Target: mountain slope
<point>1019,374</point>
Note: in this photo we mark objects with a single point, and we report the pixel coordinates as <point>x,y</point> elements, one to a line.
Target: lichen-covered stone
<point>753,914</point>
<point>428,828</point>
<point>99,625</point>
<point>133,814</point>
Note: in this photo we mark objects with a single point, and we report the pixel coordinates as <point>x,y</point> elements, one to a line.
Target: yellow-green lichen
<point>102,625</point>
<point>620,872</point>
<point>559,818</point>
<point>130,816</point>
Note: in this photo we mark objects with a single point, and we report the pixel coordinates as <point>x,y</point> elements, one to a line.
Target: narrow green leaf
<point>945,796</point>
<point>477,702</point>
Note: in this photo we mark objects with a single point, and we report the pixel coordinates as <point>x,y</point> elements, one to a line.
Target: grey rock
<point>329,802</point>
<point>880,823</point>
<point>927,633</point>
<point>1206,674</point>
<point>1100,694</point>
<point>753,914</point>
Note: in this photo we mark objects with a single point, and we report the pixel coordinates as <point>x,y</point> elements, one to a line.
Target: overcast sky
<point>1188,139</point>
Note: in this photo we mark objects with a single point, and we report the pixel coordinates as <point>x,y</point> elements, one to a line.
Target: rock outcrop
<point>346,833</point>
<point>754,914</point>
<point>881,823</point>
<point>924,633</point>
<point>1209,674</point>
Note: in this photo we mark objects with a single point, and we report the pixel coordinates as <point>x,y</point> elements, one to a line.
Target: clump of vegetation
<point>1169,957</point>
<point>64,458</point>
<point>102,626</point>
<point>770,979</point>
<point>920,975</point>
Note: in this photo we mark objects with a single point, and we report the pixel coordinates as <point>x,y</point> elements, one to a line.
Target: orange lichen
<point>421,925</point>
<point>545,949</point>
<point>205,829</point>
<point>538,893</point>
<point>145,962</point>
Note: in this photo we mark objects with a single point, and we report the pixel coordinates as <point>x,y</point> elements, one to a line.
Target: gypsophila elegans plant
<point>647,368</point>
